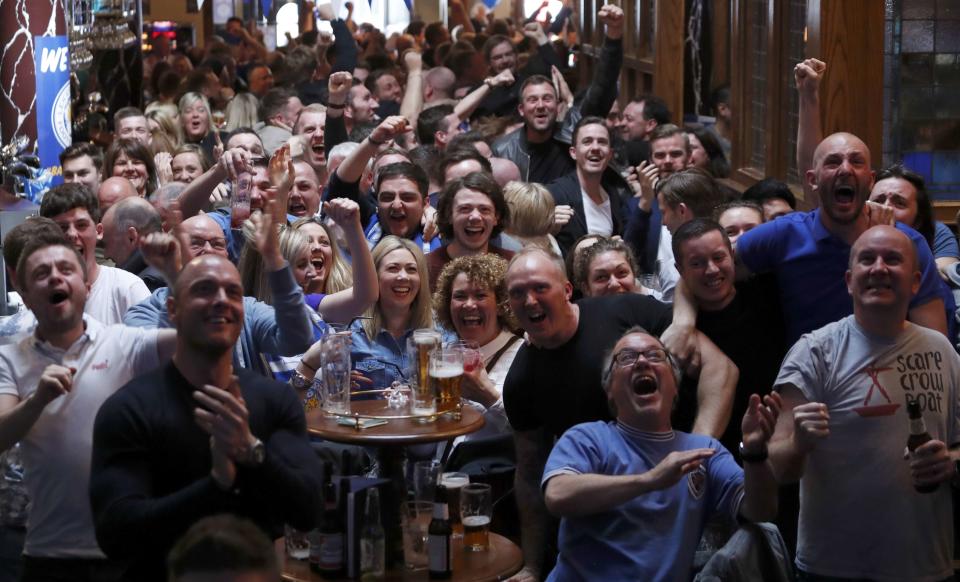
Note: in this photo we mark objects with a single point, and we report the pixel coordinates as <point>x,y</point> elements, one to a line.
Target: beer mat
<point>360,422</point>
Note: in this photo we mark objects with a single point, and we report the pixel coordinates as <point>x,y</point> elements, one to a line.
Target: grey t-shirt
<point>860,516</point>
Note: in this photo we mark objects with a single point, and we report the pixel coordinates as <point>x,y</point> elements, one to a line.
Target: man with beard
<point>555,380</point>
<point>52,382</point>
<point>76,211</point>
<point>868,511</point>
<point>198,436</point>
<point>809,251</point>
<point>540,148</point>
<point>604,478</point>
<point>597,196</point>
<point>472,210</point>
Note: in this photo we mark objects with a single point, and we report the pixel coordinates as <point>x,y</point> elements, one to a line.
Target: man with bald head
<point>438,84</point>
<point>124,225</point>
<point>282,328</point>
<point>809,251</point>
<point>113,190</point>
<point>555,381</point>
<point>199,436</point>
<point>846,388</point>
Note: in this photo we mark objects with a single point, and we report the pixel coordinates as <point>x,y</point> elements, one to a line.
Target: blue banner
<point>491,3</point>
<point>52,64</point>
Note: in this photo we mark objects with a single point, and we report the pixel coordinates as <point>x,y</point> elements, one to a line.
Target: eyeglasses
<point>217,244</point>
<point>627,358</point>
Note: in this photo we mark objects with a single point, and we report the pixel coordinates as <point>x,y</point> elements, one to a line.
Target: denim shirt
<point>384,359</point>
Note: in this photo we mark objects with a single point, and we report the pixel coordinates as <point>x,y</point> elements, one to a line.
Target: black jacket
<point>567,191</point>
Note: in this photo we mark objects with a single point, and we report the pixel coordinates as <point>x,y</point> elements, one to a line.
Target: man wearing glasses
<point>604,478</point>
<point>283,328</point>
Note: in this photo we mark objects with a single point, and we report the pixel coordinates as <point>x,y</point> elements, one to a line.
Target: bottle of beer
<point>330,538</point>
<point>439,549</point>
<point>372,540</point>
<point>918,436</point>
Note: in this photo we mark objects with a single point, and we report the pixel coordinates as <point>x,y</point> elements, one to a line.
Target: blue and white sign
<point>52,64</point>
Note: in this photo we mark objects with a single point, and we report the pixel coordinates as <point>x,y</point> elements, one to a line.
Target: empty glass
<point>335,363</point>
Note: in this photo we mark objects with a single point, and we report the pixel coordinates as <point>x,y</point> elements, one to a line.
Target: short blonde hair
<point>339,276</point>
<point>531,209</point>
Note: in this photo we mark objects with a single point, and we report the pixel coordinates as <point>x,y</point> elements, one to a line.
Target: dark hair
<point>581,263</point>
<point>535,80</point>
<point>456,155</point>
<point>654,108</point>
<point>720,95</point>
<point>481,182</point>
<point>467,139</point>
<point>135,151</point>
<point>65,197</point>
<point>432,120</point>
<point>588,120</point>
<point>36,245</point>
<point>718,165</point>
<point>32,230</point>
<point>493,42</point>
<point>695,229</point>
<point>719,210</point>
<point>411,172</point>
<point>371,81</point>
<point>924,222</point>
<point>222,543</point>
<point>274,101</point>
<point>81,149</point>
<point>426,156</point>
<point>434,33</point>
<point>415,27</point>
<point>693,188</point>
<point>770,188</point>
<point>241,131</point>
<point>665,130</point>
<point>197,79</point>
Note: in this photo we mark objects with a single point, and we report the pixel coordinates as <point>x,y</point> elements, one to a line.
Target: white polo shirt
<point>58,448</point>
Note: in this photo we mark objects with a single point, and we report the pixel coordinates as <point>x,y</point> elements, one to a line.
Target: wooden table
<point>396,431</point>
<point>501,561</point>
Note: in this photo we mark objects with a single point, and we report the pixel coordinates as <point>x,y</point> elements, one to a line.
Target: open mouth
<point>296,208</point>
<point>844,194</point>
<point>474,231</point>
<point>644,384</point>
<point>536,317</point>
<point>401,291</point>
<point>58,297</point>
<point>471,321</point>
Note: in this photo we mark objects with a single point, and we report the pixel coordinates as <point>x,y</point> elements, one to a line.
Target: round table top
<point>501,561</point>
<point>399,431</point>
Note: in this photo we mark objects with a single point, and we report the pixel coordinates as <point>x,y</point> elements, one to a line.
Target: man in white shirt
<point>77,212</point>
<point>52,383</point>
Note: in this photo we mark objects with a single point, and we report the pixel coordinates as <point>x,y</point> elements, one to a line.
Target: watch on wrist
<point>257,453</point>
<point>753,457</point>
<point>299,381</point>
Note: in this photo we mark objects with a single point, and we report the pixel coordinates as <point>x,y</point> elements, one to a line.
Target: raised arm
<point>466,106</point>
<point>759,483</point>
<point>715,389</point>
<point>197,193</point>
<point>603,89</point>
<point>351,169</point>
<point>808,75</point>
<point>343,306</point>
<point>335,128</point>
<point>412,101</point>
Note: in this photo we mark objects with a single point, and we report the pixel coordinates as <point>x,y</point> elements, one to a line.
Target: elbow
<point>554,500</point>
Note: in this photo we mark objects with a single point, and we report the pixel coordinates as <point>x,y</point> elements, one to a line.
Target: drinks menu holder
<point>356,489</point>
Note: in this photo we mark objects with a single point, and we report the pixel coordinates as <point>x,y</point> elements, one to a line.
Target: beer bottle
<point>330,562</point>
<point>372,540</point>
<point>438,541</point>
<point>918,436</point>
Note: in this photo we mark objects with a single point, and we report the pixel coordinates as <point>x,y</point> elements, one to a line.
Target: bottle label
<point>438,553</point>
<point>917,426</point>
<point>331,551</point>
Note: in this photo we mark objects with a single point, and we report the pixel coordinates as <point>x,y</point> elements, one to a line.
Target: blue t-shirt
<point>810,265</point>
<point>233,236</point>
<point>944,242</point>
<point>654,536</point>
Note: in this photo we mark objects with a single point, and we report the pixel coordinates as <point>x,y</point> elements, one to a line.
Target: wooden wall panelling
<point>720,28</point>
<point>848,36</point>
<point>668,58</point>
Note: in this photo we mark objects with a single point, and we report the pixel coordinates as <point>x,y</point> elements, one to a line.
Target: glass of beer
<point>420,346</point>
<point>476,513</point>
<point>446,371</point>
<point>454,482</point>
<point>335,368</point>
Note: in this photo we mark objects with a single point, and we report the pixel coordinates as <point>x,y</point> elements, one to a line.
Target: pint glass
<point>476,513</point>
<point>454,482</point>
<point>421,345</point>
<point>446,371</point>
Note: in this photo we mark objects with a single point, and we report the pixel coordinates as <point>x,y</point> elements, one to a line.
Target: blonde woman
<point>197,123</point>
<point>532,215</point>
<point>242,111</point>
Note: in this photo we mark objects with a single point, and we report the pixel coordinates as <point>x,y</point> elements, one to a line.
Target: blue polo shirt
<point>810,264</point>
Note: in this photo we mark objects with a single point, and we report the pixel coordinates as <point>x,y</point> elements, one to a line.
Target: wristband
<point>758,457</point>
<point>336,105</point>
<point>375,142</point>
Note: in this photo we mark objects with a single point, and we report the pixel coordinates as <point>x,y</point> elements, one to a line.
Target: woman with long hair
<point>197,122</point>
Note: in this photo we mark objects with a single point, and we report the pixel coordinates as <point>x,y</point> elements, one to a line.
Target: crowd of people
<point>669,356</point>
